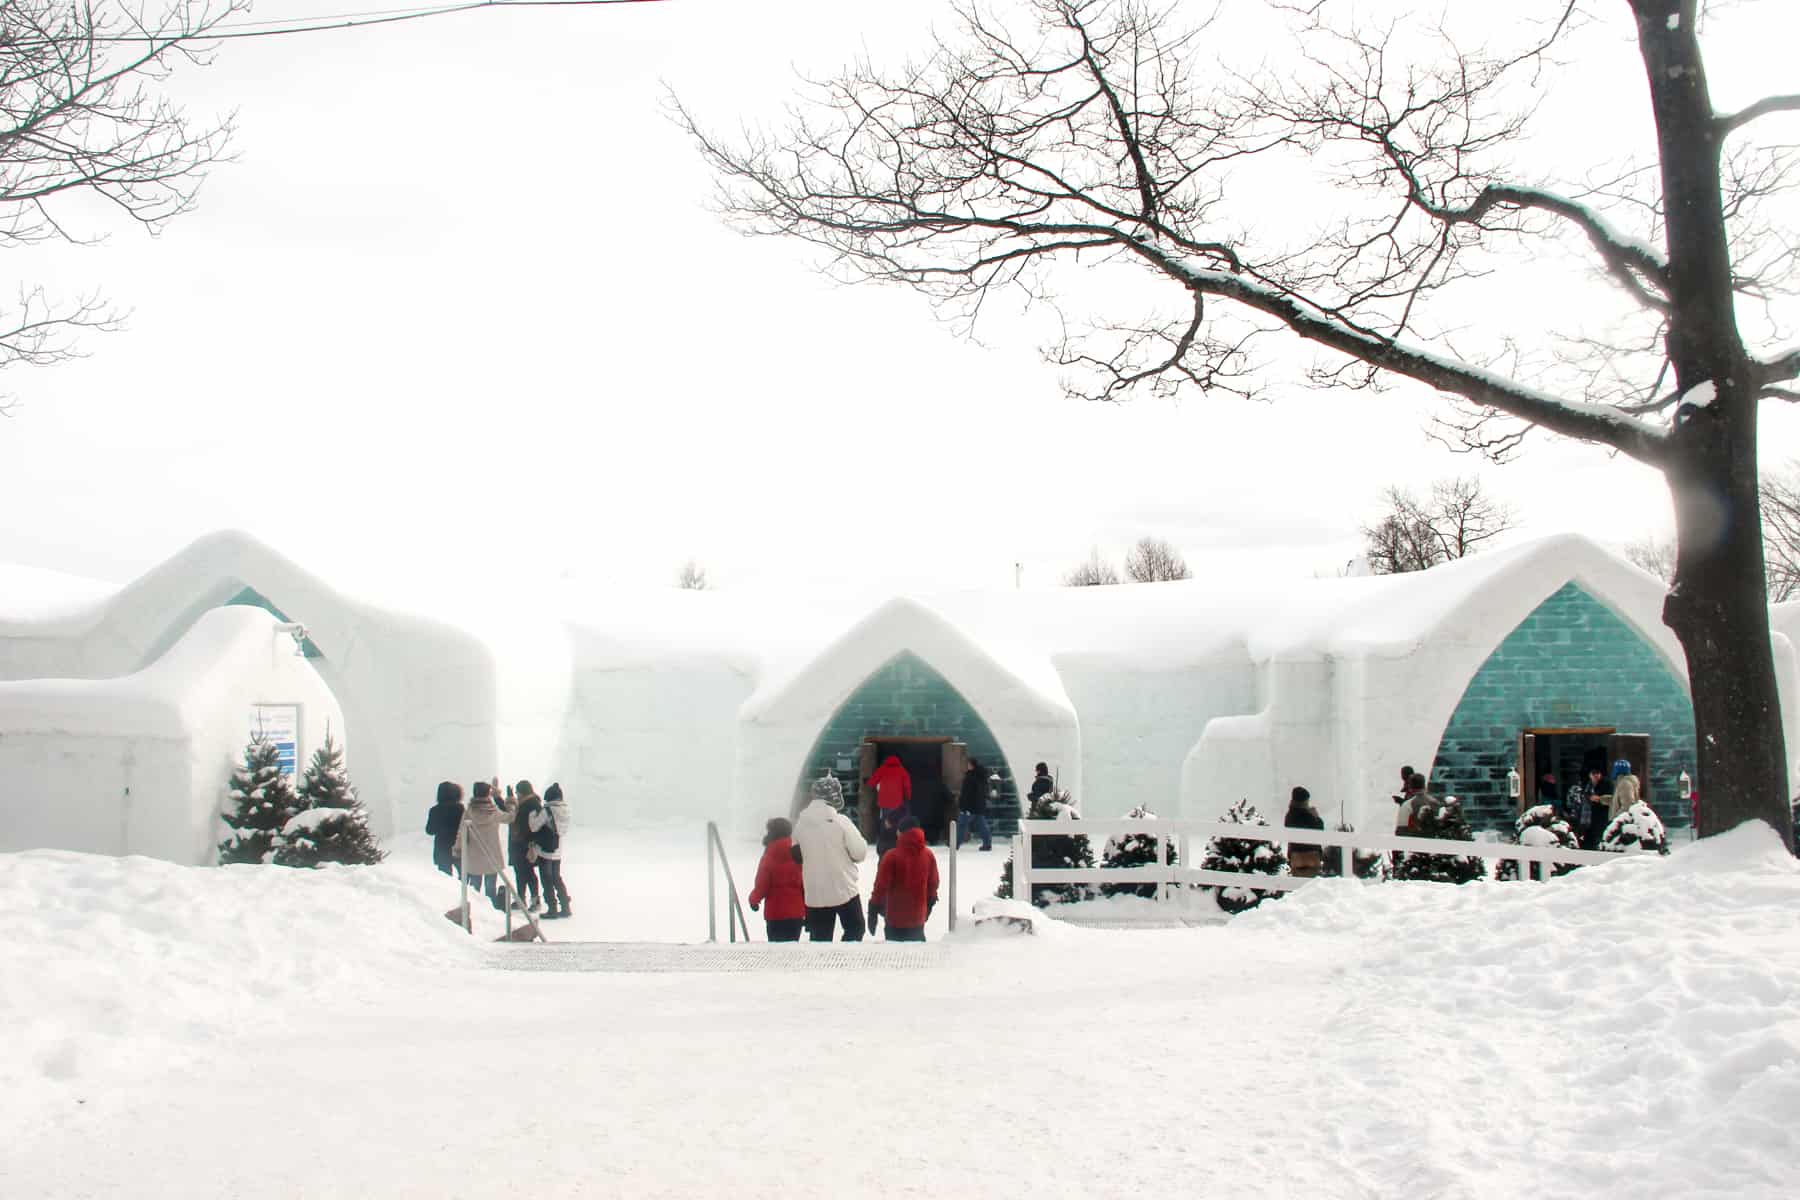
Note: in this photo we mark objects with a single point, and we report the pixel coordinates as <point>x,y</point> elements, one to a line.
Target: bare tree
<point>1781,533</point>
<point>1095,572</point>
<point>692,577</point>
<point>1098,134</point>
<point>1653,554</point>
<point>1153,560</point>
<point>1454,522</point>
<point>78,118</point>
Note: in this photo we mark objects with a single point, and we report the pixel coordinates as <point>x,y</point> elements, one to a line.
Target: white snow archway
<point>1016,693</point>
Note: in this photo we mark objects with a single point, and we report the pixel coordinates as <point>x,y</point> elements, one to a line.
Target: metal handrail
<point>734,911</point>
<point>512,896</point>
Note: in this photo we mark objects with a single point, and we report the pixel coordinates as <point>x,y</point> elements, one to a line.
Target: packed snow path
<point>657,958</point>
<point>1630,1031</point>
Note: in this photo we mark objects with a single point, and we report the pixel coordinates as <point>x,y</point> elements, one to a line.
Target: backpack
<point>547,839</point>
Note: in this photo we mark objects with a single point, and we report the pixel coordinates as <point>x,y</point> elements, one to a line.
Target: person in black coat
<point>972,803</point>
<point>442,823</point>
<point>1042,784</point>
<point>1303,860</point>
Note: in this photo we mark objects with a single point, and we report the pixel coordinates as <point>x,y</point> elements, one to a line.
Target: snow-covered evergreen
<point>1233,854</point>
<point>1053,851</point>
<point>258,806</point>
<point>1442,819</point>
<point>1134,850</point>
<point>1368,864</point>
<point>333,826</point>
<point>1639,829</point>
<point>1540,825</point>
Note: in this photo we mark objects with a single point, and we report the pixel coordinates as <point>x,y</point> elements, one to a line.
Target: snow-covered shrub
<point>1639,829</point>
<point>1134,850</point>
<point>1442,819</point>
<point>333,826</point>
<point>1055,850</point>
<point>1253,858</point>
<point>259,804</point>
<point>1540,825</point>
<point>1368,864</point>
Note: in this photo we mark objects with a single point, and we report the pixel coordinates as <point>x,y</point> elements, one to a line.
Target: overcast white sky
<point>459,308</point>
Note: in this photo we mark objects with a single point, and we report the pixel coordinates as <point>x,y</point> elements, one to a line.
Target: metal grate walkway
<point>660,958</point>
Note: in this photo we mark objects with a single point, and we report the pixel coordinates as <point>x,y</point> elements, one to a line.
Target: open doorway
<point>935,765</point>
<point>1552,761</point>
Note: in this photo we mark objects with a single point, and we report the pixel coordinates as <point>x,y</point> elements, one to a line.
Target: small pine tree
<point>1234,854</point>
<point>333,826</point>
<point>1055,850</point>
<point>1540,825</point>
<point>1442,819</point>
<point>259,805</point>
<point>1134,850</point>
<point>1637,829</point>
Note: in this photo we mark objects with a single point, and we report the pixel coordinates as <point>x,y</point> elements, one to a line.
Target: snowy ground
<point>1629,1031</point>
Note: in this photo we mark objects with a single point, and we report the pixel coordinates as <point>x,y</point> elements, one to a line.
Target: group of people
<point>1589,805</point>
<point>809,877</point>
<point>895,799</point>
<point>535,830</point>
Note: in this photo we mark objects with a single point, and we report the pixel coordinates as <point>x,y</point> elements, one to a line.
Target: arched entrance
<point>1573,684</point>
<point>907,708</point>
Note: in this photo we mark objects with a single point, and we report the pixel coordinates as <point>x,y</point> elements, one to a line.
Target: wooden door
<point>865,795</point>
<point>1527,768</point>
<point>1634,748</point>
<point>956,762</point>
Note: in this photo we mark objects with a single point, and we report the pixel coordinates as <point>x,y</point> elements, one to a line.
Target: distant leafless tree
<point>692,576</point>
<point>1092,573</point>
<point>1781,533</point>
<point>1153,560</point>
<point>78,117</point>
<point>1653,554</point>
<point>1455,521</point>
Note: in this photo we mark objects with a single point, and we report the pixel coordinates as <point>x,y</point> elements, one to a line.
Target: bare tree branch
<point>1762,108</point>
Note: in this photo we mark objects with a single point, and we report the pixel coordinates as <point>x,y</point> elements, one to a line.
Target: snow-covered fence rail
<point>1181,835</point>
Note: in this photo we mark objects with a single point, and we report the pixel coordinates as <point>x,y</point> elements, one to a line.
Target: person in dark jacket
<point>1303,860</point>
<point>906,886</point>
<point>972,803</point>
<point>1042,784</point>
<point>520,805</point>
<point>548,827</point>
<point>780,884</point>
<point>442,823</point>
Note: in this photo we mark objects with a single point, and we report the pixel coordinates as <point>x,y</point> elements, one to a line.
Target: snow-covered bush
<point>333,826</point>
<point>1055,850</point>
<point>1253,858</point>
<point>1442,819</point>
<point>1540,825</point>
<point>258,805</point>
<point>1134,850</point>
<point>1639,829</point>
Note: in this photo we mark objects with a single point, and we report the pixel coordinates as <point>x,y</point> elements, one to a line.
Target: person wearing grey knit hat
<point>830,847</point>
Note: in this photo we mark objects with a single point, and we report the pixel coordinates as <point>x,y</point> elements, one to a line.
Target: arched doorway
<point>907,708</point>
<point>1573,684</point>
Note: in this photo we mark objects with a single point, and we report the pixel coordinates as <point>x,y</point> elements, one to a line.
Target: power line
<point>234,30</point>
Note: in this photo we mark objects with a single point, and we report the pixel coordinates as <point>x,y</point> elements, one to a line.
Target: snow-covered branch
<point>1731,122</point>
<point>1780,369</point>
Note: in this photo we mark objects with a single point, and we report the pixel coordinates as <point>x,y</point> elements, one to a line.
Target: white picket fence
<point>1184,835</point>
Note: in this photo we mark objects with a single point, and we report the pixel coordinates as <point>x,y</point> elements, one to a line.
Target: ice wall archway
<point>1017,695</point>
<point>1572,662</point>
<point>907,697</point>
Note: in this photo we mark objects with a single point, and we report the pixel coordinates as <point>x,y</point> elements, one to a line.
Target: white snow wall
<point>139,764</point>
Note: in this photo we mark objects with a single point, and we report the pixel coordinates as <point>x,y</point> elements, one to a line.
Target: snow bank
<point>121,969</point>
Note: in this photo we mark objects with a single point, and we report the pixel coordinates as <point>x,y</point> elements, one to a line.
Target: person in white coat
<point>830,848</point>
<point>549,827</point>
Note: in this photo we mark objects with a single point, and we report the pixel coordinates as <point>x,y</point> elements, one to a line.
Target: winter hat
<point>1301,796</point>
<point>553,793</point>
<point>1621,766</point>
<point>828,789</point>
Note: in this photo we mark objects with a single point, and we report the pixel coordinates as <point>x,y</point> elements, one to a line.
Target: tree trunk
<point>1718,606</point>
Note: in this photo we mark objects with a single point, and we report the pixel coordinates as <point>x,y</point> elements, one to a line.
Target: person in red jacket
<point>893,793</point>
<point>778,881</point>
<point>906,886</point>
